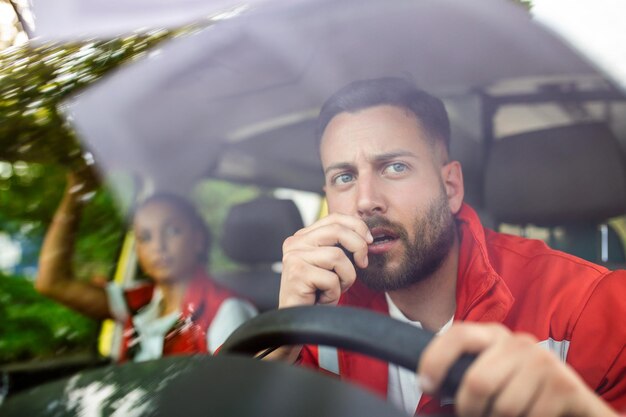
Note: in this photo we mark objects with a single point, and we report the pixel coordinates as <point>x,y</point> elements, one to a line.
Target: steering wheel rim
<point>204,385</point>
<point>349,328</point>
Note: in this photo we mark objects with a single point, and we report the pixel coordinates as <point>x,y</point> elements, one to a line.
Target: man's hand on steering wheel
<point>512,375</point>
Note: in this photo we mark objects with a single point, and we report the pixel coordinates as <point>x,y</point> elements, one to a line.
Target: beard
<point>433,238</point>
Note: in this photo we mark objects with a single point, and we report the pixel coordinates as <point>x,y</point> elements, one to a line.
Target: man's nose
<point>370,199</point>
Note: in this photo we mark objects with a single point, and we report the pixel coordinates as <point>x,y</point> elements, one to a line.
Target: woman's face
<point>168,246</point>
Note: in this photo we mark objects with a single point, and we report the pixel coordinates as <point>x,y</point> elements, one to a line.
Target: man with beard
<point>422,256</point>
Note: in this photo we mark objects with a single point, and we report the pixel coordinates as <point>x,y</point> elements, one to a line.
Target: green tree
<point>37,147</point>
<point>35,327</point>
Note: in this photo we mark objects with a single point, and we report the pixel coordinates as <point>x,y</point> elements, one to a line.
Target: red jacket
<point>188,335</point>
<point>575,307</point>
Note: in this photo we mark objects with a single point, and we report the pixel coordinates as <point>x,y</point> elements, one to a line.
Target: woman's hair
<point>189,212</point>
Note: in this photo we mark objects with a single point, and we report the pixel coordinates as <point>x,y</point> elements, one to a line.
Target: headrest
<point>556,176</point>
<point>254,231</point>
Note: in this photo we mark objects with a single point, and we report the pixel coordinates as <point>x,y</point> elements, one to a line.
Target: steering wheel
<point>229,384</point>
<point>349,328</point>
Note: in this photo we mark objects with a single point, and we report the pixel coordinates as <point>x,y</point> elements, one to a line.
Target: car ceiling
<point>238,100</point>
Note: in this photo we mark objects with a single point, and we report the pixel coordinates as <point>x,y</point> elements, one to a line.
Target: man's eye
<point>343,179</point>
<point>396,168</point>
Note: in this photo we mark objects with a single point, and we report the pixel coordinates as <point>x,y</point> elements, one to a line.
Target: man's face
<point>379,166</point>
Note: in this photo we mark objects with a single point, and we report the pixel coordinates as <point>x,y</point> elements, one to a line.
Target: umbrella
<point>238,100</point>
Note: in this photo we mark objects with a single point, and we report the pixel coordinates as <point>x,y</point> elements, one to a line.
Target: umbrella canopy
<point>239,99</point>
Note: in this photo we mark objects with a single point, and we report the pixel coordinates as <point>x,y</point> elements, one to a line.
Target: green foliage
<point>33,326</point>
<point>28,195</point>
<point>35,80</point>
<point>37,147</point>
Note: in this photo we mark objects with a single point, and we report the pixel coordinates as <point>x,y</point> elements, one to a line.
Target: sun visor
<point>556,176</point>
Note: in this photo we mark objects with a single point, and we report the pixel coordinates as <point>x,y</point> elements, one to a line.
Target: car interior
<point>543,150</point>
<point>540,178</point>
<point>253,237</point>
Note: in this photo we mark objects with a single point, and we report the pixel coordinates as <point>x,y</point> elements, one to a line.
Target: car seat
<point>569,179</point>
<point>253,236</point>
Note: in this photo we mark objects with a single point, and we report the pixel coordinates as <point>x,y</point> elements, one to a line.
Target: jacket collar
<point>481,293</point>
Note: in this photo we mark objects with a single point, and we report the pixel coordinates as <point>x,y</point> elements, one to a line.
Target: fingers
<point>301,282</point>
<point>288,354</point>
<point>348,221</point>
<point>81,184</point>
<point>512,375</point>
<point>445,349</point>
<point>313,263</point>
<point>487,386</point>
<point>348,231</point>
<point>563,393</point>
<point>517,395</point>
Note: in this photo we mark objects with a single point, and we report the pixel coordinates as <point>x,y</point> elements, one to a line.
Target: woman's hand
<point>55,277</point>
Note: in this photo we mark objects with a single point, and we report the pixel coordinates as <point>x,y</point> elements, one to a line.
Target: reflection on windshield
<point>35,142</point>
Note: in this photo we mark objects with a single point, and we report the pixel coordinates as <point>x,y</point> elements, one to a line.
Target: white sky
<point>596,27</point>
<point>10,253</point>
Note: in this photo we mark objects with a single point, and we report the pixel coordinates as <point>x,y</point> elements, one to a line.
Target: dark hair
<point>189,211</point>
<point>363,94</point>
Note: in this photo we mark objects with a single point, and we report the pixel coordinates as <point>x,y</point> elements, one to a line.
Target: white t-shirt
<point>403,390</point>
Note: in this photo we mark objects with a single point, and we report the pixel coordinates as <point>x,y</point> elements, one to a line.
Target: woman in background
<point>181,311</point>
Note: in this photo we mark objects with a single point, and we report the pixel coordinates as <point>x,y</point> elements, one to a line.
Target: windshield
<point>143,174</point>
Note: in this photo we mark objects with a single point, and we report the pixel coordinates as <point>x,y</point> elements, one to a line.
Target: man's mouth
<point>382,236</point>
